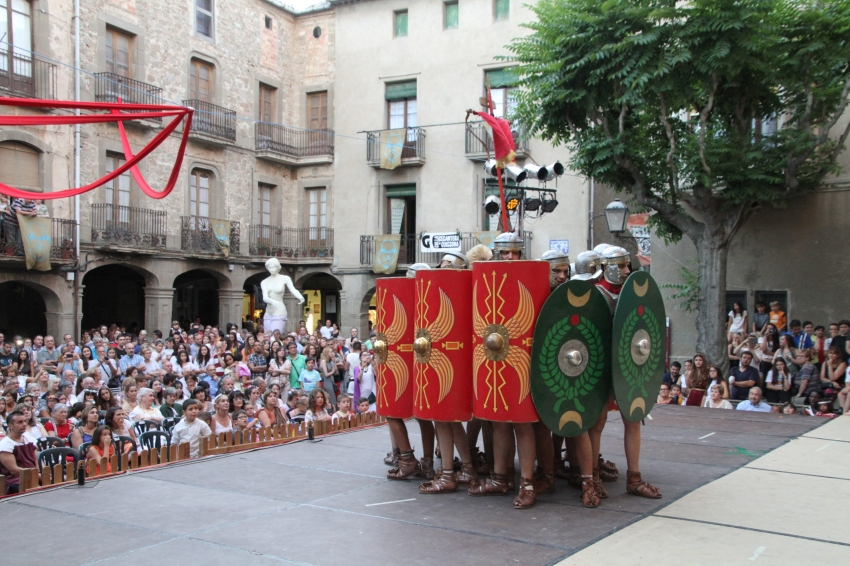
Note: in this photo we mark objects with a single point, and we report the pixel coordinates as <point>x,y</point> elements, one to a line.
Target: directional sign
<point>440,242</point>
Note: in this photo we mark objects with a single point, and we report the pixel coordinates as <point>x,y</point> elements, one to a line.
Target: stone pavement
<point>329,503</point>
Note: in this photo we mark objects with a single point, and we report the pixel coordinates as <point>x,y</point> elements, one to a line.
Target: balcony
<point>294,243</point>
<point>112,87</point>
<point>479,142</point>
<point>63,247</point>
<point>409,250</point>
<point>31,76</point>
<point>197,237</point>
<point>412,153</point>
<point>118,227</point>
<point>293,147</point>
<point>211,124</point>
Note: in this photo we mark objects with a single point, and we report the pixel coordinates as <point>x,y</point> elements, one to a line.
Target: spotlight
<point>512,202</point>
<point>532,204</point>
<point>490,167</point>
<point>554,170</point>
<point>517,174</point>
<point>549,205</point>
<point>537,171</point>
<point>491,205</point>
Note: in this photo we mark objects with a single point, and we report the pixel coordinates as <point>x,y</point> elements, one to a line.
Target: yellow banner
<point>486,238</point>
<point>392,142</point>
<point>221,233</point>
<point>386,253</point>
<point>37,236</point>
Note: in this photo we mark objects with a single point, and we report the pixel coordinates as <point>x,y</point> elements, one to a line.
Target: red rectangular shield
<point>395,300</point>
<point>443,351</point>
<point>508,299</point>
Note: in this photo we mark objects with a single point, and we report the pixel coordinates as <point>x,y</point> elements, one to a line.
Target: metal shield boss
<point>508,299</point>
<point>571,358</point>
<point>393,345</point>
<point>442,347</point>
<point>638,346</point>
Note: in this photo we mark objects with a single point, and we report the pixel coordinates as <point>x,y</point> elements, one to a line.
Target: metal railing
<point>409,250</point>
<point>137,227</point>
<point>30,75</point>
<point>196,235</point>
<point>480,140</point>
<point>269,241</point>
<point>63,245</point>
<point>110,87</point>
<point>212,120</point>
<point>414,145</point>
<point>293,142</point>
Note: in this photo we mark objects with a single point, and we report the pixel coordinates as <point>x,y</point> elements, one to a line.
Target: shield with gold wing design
<point>395,300</point>
<point>639,346</point>
<point>442,348</point>
<point>571,358</point>
<point>508,299</point>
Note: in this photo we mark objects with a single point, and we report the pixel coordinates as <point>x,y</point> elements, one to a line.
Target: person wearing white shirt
<point>327,330</point>
<point>754,403</point>
<point>715,399</point>
<point>190,429</point>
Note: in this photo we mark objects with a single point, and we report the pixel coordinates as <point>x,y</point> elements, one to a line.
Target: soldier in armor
<point>508,247</point>
<point>454,260</point>
<point>615,270</point>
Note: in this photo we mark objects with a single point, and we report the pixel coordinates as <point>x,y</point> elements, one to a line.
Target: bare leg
<point>445,438</point>
<point>526,446</point>
<point>595,433</point>
<point>583,453</point>
<point>543,448</point>
<point>473,428</point>
<point>634,484</point>
<point>461,443</point>
<point>398,432</point>
<point>571,451</point>
<point>427,430</point>
<point>503,445</point>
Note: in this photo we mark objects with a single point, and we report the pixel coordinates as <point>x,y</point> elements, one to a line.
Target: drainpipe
<point>77,150</point>
<point>590,217</point>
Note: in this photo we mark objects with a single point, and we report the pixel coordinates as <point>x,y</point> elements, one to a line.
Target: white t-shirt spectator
<point>326,332</point>
<point>191,433</point>
<point>737,325</point>
<point>353,359</point>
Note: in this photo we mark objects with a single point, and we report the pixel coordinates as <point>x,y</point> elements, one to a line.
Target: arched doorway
<point>368,310</point>
<point>114,294</point>
<point>22,310</point>
<point>253,304</point>
<point>321,299</point>
<point>195,298</point>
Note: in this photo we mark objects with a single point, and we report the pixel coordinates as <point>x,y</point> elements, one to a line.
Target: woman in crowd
<point>363,384</point>
<point>270,414</point>
<point>221,421</point>
<point>737,322</point>
<point>327,369</point>
<point>118,424</point>
<point>252,397</point>
<point>335,331</point>
<point>249,347</point>
<point>788,352</point>
<point>778,382</point>
<point>152,368</point>
<point>190,382</point>
<point>229,365</point>
<point>273,350</point>
<point>101,446</point>
<point>23,363</point>
<point>715,399</point>
<point>89,364</point>
<point>697,381</point>
<point>832,372</point>
<point>88,422</point>
<point>279,368</point>
<point>663,395</point>
<point>35,430</point>
<point>317,407</point>
<point>277,390</point>
<point>236,401</point>
<point>131,391</point>
<point>145,410</point>
<point>59,425</point>
<point>202,360</point>
<point>769,345</point>
<point>716,377</point>
<point>89,396</point>
<point>3,411</point>
<point>110,369</point>
<point>731,351</point>
<point>311,351</point>
<point>158,394</point>
<point>51,400</point>
<point>171,409</point>
<point>69,360</point>
<point>199,394</point>
<point>105,399</point>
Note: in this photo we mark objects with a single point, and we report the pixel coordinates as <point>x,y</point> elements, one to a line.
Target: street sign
<point>440,242</point>
<point>562,246</point>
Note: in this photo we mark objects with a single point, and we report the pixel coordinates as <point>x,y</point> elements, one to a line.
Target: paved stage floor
<point>328,503</point>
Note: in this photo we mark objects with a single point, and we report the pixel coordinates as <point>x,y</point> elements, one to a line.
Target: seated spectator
<point>271,414</point>
<point>844,398</point>
<point>732,350</point>
<point>118,424</point>
<point>803,340</point>
<point>819,350</point>
<point>88,422</point>
<point>299,412</point>
<point>737,321</point>
<point>776,409</point>
<point>105,399</point>
<point>789,409</point>
<point>59,425</point>
<point>674,374</point>
<point>832,373</point>
<point>787,352</point>
<point>777,317</point>
<point>50,402</point>
<point>17,451</point>
<point>131,392</point>
<point>744,377</point>
<point>199,394</point>
<point>754,403</point>
<point>807,378</point>
<point>716,377</point>
<point>252,397</point>
<point>317,407</point>
<point>171,409</point>
<point>251,411</point>
<point>363,405</point>
<point>240,421</point>
<point>34,430</point>
<point>145,410</point>
<point>778,383</point>
<point>663,395</point>
<point>101,446</point>
<point>344,411</point>
<point>236,399</point>
<point>221,421</point>
<point>715,399</point>
<point>697,381</point>
<point>675,395</point>
<point>190,429</point>
<point>89,396</point>
<point>158,394</point>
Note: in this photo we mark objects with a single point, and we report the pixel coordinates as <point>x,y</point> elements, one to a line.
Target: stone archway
<point>23,309</point>
<point>115,293</point>
<point>322,300</point>
<point>367,308</point>
<point>196,298</point>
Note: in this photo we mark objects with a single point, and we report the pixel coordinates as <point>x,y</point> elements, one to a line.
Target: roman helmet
<point>612,259</point>
<point>411,271</point>
<point>456,261</point>
<point>588,266</point>
<point>507,242</point>
<point>600,248</point>
<point>556,259</point>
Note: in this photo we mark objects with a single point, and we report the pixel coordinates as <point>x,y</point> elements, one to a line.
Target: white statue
<point>274,286</point>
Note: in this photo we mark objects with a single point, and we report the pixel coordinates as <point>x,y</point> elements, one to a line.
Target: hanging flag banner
<point>440,242</point>
<point>221,233</point>
<point>392,142</point>
<point>386,253</point>
<point>36,234</point>
<point>486,238</point>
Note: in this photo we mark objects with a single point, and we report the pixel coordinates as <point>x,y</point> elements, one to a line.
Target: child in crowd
<point>309,376</point>
<point>676,394</point>
<point>191,429</point>
<point>240,421</point>
<point>298,414</point>
<point>344,402</point>
<point>363,405</point>
<point>205,416</point>
<point>251,412</point>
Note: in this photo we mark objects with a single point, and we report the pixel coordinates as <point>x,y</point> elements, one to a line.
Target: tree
<point>701,111</point>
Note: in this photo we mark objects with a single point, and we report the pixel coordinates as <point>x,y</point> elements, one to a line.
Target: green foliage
<point>687,292</point>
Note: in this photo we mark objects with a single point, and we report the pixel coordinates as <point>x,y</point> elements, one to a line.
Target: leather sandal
<point>636,486</point>
<point>496,484</point>
<point>607,469</point>
<point>426,468</point>
<point>392,458</point>
<point>544,483</point>
<point>597,484</point>
<point>574,479</point>
<point>511,479</point>
<point>407,466</point>
<point>527,496</point>
<point>443,482</point>
<point>589,497</point>
<point>467,475</point>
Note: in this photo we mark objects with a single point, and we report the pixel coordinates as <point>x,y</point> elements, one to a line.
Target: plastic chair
<point>154,439</point>
<point>121,443</point>
<point>168,424</point>
<point>49,442</point>
<point>44,420</point>
<point>53,456</point>
<point>84,449</point>
<point>144,426</point>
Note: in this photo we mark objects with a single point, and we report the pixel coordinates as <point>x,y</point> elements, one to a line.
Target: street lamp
<point>616,214</point>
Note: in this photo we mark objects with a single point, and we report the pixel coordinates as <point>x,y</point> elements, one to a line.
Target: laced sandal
<point>636,486</point>
<point>496,484</point>
<point>589,497</point>
<point>597,484</point>
<point>544,483</point>
<point>527,497</point>
<point>426,468</point>
<point>407,466</point>
<point>608,471</point>
<point>467,475</point>
<point>392,458</point>
<point>443,482</point>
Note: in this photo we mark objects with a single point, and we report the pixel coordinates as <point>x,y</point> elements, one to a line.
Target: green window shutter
<point>502,78</point>
<point>397,191</point>
<point>451,15</point>
<point>401,24</point>
<point>503,8</point>
<point>399,91</point>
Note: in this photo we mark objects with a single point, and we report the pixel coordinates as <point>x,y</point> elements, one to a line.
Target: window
<point>768,297</point>
<point>266,103</point>
<point>268,22</point>
<point>401,23</point>
<point>264,204</point>
<point>204,18</point>
<point>317,110</point>
<point>502,9</point>
<point>401,107</point>
<point>19,165</point>
<point>450,19</point>
<point>117,191</point>
<point>201,76</point>
<point>317,213</point>
<point>15,30</point>
<point>502,91</point>
<point>401,219</point>
<point>117,52</point>
<point>200,182</point>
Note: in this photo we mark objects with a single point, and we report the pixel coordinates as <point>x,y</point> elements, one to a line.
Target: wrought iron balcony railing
<point>212,120</point>
<point>409,250</point>
<point>413,148</point>
<point>127,225</point>
<point>63,246</point>
<point>293,142</point>
<point>268,241</point>
<point>27,75</point>
<point>479,140</point>
<point>112,87</point>
<point>196,235</point>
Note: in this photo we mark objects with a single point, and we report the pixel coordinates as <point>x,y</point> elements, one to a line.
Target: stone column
<point>230,306</point>
<point>350,315</point>
<point>59,324</point>
<point>158,308</point>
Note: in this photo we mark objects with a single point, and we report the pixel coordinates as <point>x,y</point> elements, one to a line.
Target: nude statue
<point>274,286</point>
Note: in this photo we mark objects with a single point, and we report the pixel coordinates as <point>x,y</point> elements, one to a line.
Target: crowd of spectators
<point>102,395</point>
